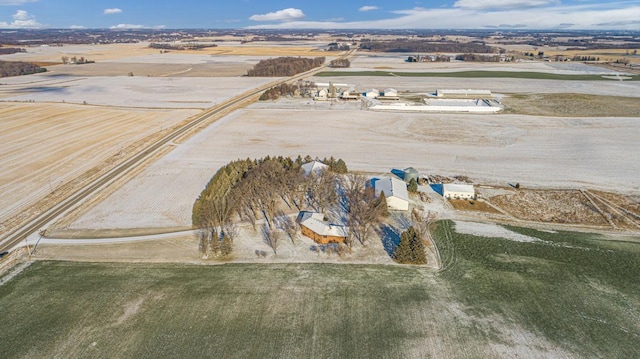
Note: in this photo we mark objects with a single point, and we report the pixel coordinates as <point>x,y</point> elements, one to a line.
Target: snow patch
<point>491,230</point>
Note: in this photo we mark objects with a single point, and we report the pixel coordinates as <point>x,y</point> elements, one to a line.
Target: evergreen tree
<point>413,186</point>
<point>341,167</point>
<point>411,249</point>
<point>383,208</point>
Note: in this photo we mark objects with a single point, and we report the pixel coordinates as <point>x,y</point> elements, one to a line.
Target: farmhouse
<point>312,225</point>
<point>458,191</point>
<point>395,191</point>
<point>314,167</point>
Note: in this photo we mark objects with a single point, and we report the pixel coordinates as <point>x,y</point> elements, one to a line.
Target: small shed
<point>458,191</point>
<point>313,225</point>
<point>410,173</point>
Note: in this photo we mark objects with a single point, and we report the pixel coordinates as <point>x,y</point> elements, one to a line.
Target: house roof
<point>455,187</point>
<point>313,166</point>
<point>392,187</point>
<point>314,221</point>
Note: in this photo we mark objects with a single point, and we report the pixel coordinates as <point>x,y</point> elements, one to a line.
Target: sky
<point>324,14</point>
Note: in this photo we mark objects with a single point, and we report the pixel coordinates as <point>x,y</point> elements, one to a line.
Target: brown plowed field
<point>43,146</point>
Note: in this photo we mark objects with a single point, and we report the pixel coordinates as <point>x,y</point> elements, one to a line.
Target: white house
<point>314,166</point>
<point>458,191</point>
<point>395,191</point>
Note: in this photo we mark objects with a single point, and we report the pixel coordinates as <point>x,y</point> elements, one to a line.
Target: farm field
<point>115,52</point>
<point>126,91</point>
<point>495,85</point>
<point>44,146</point>
<point>503,292</point>
<point>535,151</point>
<point>477,74</point>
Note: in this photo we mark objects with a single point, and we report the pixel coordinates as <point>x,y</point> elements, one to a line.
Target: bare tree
<point>271,237</point>
<point>203,242</point>
<point>363,210</point>
<point>287,225</point>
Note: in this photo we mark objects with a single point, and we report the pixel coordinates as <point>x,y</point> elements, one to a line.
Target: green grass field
<point>475,74</point>
<point>574,295</point>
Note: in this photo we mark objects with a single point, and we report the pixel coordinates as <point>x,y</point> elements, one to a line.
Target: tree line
<point>18,68</point>
<point>11,50</point>
<point>340,63</point>
<point>478,58</point>
<point>425,46</point>
<point>301,88</point>
<point>178,47</point>
<point>253,190</point>
<point>284,66</point>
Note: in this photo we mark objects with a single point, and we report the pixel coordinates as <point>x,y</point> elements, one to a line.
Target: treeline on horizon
<point>11,50</point>
<point>284,66</point>
<point>400,45</point>
<point>19,68</point>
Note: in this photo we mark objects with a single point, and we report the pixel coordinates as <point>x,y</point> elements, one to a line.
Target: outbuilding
<point>372,93</point>
<point>313,225</point>
<point>458,191</point>
<point>409,174</point>
<point>314,167</point>
<point>394,190</point>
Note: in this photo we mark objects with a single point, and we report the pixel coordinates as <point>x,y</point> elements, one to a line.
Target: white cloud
<point>584,16</point>
<point>289,14</point>
<point>501,4</point>
<point>112,11</point>
<point>77,27</point>
<point>21,19</point>
<point>15,2</point>
<point>368,8</point>
<point>134,26</point>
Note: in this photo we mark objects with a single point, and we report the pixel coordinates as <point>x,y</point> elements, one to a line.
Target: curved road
<point>20,234</point>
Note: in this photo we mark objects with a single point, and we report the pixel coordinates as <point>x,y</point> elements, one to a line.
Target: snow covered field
<point>145,92</point>
<point>546,152</point>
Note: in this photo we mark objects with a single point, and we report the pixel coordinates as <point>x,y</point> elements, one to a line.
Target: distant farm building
<point>395,191</point>
<point>389,94</point>
<point>313,225</point>
<point>372,93</point>
<point>348,95</point>
<point>458,191</point>
<point>322,95</point>
<point>314,167</point>
<point>463,93</point>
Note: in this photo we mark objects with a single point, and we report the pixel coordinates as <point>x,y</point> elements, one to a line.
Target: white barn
<point>395,191</point>
<point>314,166</point>
<point>390,92</point>
<point>372,93</point>
<point>458,191</point>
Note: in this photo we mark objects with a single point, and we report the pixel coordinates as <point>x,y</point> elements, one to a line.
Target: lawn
<point>475,74</point>
<point>566,295</point>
